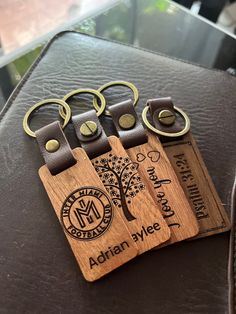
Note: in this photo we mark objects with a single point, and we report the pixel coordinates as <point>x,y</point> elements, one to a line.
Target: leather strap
<point>156,106</point>
<point>96,144</point>
<point>63,157</point>
<point>129,137</point>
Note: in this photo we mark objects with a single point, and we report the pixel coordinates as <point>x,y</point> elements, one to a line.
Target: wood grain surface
<point>95,230</point>
<point>122,180</point>
<point>158,175</point>
<point>189,166</point>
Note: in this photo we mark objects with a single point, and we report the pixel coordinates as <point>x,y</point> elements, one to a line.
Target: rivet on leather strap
<point>158,105</point>
<point>96,143</point>
<point>133,136</point>
<point>55,148</point>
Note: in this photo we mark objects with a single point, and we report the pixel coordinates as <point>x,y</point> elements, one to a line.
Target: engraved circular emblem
<point>86,213</point>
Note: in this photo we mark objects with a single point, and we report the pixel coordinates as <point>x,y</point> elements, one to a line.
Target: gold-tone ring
<point>117,83</point>
<point>176,134</point>
<point>94,92</point>
<point>40,104</point>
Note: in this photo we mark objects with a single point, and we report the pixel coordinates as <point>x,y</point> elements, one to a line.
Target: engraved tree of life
<point>121,179</point>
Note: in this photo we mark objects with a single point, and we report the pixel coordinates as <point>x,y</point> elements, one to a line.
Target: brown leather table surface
<point>38,271</point>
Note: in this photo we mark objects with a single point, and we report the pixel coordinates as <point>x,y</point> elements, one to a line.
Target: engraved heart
<point>154,155</point>
<point>140,157</point>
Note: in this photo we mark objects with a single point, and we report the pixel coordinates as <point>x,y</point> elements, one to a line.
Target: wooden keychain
<point>154,168</point>
<point>121,179</point>
<point>189,166</point>
<point>93,227</point>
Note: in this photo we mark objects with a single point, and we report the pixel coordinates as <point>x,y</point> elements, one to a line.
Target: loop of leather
<point>61,159</point>
<point>96,144</point>
<point>129,137</point>
<point>156,106</point>
<point>79,119</point>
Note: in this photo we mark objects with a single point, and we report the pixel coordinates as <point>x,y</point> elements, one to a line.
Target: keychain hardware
<point>188,165</point>
<point>156,172</point>
<point>121,179</point>
<point>166,117</point>
<point>66,117</point>
<point>160,118</point>
<point>95,231</point>
<point>77,92</point>
<point>127,121</point>
<point>104,87</point>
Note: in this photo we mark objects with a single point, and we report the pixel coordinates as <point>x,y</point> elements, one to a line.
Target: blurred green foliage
<point>88,27</point>
<point>19,67</point>
<point>117,23</point>
<point>152,6</point>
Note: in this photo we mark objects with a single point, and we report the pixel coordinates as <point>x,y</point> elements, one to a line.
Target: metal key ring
<point>59,102</point>
<point>94,92</point>
<point>176,134</point>
<point>117,83</point>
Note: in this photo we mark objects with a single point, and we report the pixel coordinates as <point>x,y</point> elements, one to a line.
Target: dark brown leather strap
<point>60,159</point>
<point>156,106</point>
<point>136,134</point>
<point>96,143</point>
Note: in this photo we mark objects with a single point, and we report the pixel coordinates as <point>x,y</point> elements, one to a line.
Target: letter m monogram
<point>88,211</point>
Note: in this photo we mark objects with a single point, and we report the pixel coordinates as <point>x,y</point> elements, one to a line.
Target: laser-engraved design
<point>88,210</point>
<point>86,213</point>
<point>121,179</point>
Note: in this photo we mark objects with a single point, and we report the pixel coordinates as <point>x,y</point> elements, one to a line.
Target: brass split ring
<point>94,92</point>
<point>116,83</point>
<point>176,134</point>
<point>59,102</point>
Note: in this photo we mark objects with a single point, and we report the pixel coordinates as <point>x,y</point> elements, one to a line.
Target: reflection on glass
<point>157,25</point>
